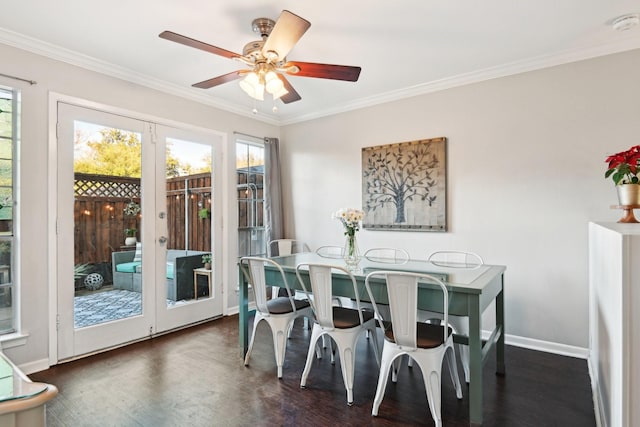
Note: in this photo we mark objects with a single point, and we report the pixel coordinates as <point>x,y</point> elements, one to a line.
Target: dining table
<point>471,288</point>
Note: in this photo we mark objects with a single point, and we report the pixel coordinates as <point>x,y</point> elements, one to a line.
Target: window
<point>250,189</point>
<point>9,104</point>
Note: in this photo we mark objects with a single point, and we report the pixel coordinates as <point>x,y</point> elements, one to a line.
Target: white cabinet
<point>614,322</point>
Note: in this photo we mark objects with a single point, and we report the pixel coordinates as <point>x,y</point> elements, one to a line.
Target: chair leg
<point>376,347</point>
<point>316,333</point>
<point>332,351</point>
<point>346,346</point>
<point>289,330</point>
<point>279,328</point>
<point>464,358</point>
<point>453,371</point>
<point>385,366</point>
<point>432,386</point>
<point>395,368</point>
<point>460,325</point>
<point>256,320</point>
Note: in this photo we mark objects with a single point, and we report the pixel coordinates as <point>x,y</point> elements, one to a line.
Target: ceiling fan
<point>267,59</point>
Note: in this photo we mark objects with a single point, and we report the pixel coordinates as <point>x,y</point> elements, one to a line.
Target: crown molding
<point>70,57</point>
<point>509,69</point>
<point>90,63</point>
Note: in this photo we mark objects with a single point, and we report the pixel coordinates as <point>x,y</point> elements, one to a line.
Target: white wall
<point>54,76</point>
<point>525,175</point>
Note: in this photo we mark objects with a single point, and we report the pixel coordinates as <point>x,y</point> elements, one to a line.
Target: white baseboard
<point>546,346</point>
<point>35,366</point>
<point>236,309</point>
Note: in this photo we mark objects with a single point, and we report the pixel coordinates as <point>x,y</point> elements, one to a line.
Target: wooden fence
<point>100,219</point>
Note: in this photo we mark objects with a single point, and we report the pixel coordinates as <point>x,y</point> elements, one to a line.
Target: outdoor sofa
<point>127,271</point>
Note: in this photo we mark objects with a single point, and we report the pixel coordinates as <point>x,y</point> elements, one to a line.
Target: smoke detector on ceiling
<point>626,22</point>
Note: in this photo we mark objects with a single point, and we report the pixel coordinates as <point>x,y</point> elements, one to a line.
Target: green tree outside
<point>118,153</point>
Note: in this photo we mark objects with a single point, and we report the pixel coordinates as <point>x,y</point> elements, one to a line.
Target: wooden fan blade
<point>285,34</point>
<point>229,77</point>
<point>187,41</point>
<point>292,96</point>
<point>325,71</point>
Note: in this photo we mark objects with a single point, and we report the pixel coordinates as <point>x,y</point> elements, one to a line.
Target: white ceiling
<point>404,48</point>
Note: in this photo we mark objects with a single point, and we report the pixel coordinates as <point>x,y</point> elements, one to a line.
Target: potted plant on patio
<point>204,213</point>
<point>206,259</point>
<point>130,234</point>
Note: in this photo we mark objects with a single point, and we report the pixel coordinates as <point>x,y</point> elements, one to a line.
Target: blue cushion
<point>128,267</point>
<point>169,270</point>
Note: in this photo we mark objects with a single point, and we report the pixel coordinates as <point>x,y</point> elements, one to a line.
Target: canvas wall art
<point>404,186</point>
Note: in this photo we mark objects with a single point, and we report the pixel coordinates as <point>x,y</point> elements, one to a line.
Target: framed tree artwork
<point>404,186</point>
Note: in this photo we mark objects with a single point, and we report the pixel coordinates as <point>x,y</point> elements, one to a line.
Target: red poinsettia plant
<point>624,166</point>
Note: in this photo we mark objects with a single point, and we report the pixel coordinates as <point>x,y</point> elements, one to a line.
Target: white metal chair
<point>456,259</point>
<point>426,343</point>
<point>387,255</point>
<point>279,313</point>
<point>344,325</point>
<point>328,251</point>
<point>282,247</point>
<point>460,324</point>
<point>334,252</point>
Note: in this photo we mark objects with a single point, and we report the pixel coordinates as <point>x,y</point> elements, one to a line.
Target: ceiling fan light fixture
<point>272,83</point>
<point>252,86</point>
<point>280,93</point>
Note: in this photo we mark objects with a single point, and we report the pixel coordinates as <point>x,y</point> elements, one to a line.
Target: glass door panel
<point>107,168</point>
<point>101,293</point>
<point>192,291</point>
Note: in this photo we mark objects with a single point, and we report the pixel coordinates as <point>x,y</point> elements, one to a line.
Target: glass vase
<point>351,252</point>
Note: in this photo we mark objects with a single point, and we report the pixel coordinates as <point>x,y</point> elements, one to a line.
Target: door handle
<point>162,240</point>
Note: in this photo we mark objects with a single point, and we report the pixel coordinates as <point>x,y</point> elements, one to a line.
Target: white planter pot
<point>130,241</point>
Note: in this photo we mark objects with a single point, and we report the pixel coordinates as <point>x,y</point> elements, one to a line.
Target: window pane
<point>250,175</point>
<point>6,294</point>
<point>6,125</point>
<point>8,109</point>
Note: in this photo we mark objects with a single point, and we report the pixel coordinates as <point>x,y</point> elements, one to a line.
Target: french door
<point>137,212</point>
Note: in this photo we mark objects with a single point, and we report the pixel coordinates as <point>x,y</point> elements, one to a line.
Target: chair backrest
<point>402,289</point>
<point>458,259</point>
<point>253,269</point>
<point>387,255</point>
<point>320,284</point>
<point>282,247</point>
<point>331,251</point>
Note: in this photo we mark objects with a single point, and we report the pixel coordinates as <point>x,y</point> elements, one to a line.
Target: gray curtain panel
<point>274,222</point>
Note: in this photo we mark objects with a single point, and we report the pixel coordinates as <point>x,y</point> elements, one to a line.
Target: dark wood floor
<point>196,377</point>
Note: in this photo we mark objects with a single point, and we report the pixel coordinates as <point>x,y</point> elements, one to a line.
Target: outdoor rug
<point>106,306</point>
<point>103,307</point>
